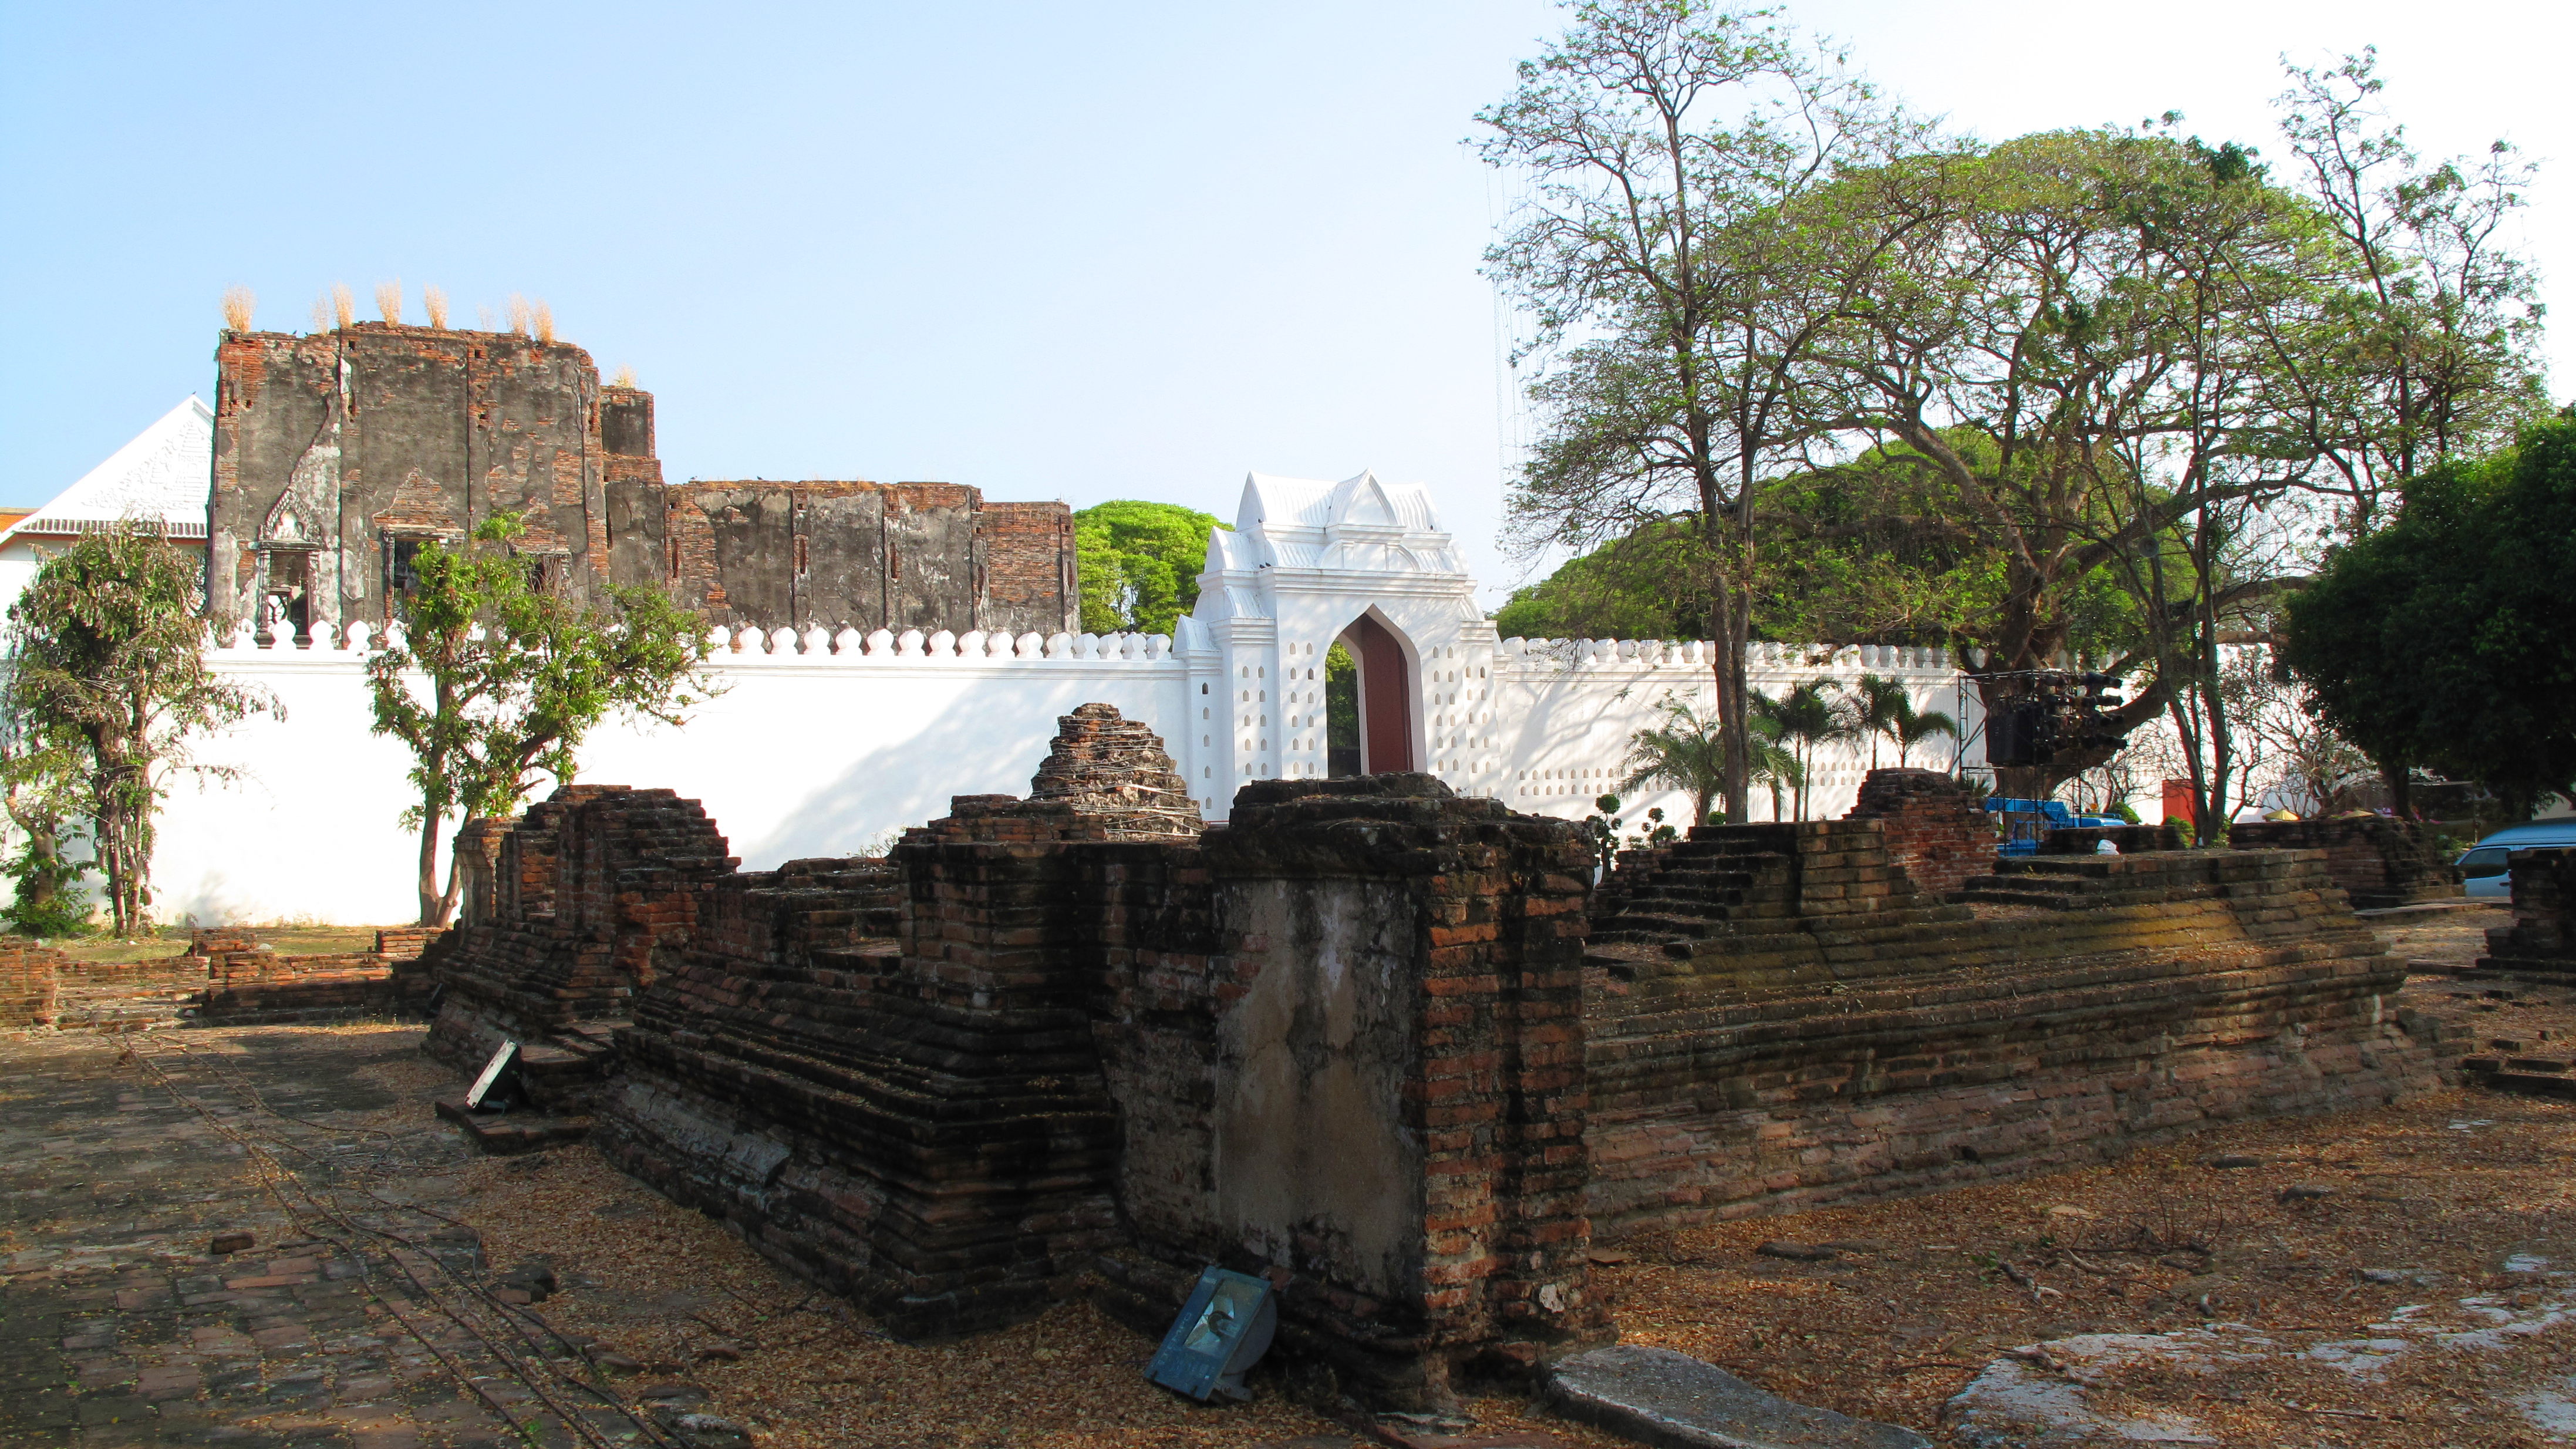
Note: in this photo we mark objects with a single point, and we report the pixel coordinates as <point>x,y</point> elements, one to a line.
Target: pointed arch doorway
<point>1369,704</point>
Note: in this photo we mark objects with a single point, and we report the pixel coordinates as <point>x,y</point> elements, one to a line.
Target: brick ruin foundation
<point>2542,939</point>
<point>1781,1020</point>
<point>1380,1044</point>
<point>227,975</point>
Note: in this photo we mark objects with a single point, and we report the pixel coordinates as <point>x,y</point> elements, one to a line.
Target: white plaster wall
<point>804,754</point>
<point>1566,709</point>
<point>814,752</point>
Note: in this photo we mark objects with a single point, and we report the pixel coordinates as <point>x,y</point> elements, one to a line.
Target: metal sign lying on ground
<point>493,1071</point>
<point>1223,1330</point>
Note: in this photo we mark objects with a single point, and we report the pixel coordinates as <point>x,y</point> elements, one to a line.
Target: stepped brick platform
<point>1779,1020</point>
<point>2541,942</point>
<point>564,918</point>
<point>1356,1041</point>
<point>2378,861</point>
<point>2528,1076</point>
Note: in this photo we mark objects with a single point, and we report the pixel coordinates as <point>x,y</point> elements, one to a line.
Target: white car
<point>2484,867</point>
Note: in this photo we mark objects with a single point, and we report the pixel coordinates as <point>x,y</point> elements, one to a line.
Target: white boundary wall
<point>822,745</point>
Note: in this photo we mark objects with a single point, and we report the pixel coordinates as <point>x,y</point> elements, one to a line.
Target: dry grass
<point>344,305</point>
<point>625,378</point>
<point>520,318</point>
<point>434,301</point>
<point>239,305</point>
<point>389,301</point>
<point>322,312</point>
<point>545,320</point>
<point>295,940</point>
<point>660,1285</point>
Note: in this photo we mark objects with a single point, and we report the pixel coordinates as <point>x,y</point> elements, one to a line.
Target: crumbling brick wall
<point>1934,831</point>
<point>2378,861</point>
<point>568,915</point>
<point>335,451</point>
<point>1029,568</point>
<point>27,983</point>
<point>2125,839</point>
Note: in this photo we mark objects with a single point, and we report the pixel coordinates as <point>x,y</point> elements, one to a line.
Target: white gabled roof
<point>164,474</point>
<point>1279,505</point>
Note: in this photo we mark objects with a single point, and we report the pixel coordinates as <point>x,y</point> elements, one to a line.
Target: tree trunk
<point>2401,793</point>
<point>455,877</point>
<point>433,902</point>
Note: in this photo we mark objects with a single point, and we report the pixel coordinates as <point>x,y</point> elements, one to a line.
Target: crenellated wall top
<point>1537,654</point>
<point>755,644</point>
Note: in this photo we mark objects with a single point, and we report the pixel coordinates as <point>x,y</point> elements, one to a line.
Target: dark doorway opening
<point>1341,713</point>
<point>1381,708</point>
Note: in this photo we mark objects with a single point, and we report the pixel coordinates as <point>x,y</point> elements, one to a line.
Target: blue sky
<point>1118,250</point>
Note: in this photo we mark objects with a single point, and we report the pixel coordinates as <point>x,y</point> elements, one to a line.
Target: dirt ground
<point>2392,1277</point>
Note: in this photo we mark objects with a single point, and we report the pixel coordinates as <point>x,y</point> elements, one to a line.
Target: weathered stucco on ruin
<point>1306,1153</point>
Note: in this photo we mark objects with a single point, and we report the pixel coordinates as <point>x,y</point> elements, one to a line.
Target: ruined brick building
<point>336,455</point>
<point>1379,1042</point>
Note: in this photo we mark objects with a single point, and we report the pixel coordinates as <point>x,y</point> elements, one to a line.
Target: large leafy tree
<point>2448,638</point>
<point>1675,297</point>
<point>2075,398</point>
<point>495,680</point>
<point>1139,563</point>
<point>110,684</point>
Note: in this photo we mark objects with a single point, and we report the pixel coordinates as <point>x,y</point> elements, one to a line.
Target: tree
<point>2448,637</point>
<point>2291,749</point>
<point>2432,352</point>
<point>1885,710</point>
<point>1775,766</point>
<point>1139,564</point>
<point>1674,306</point>
<point>1649,583</point>
<point>111,674</point>
<point>40,789</point>
<point>496,680</point>
<point>1687,752</point>
<point>1808,716</point>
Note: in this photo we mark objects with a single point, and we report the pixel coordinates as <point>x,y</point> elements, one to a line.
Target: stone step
<point>1656,928</point>
<point>502,1134</point>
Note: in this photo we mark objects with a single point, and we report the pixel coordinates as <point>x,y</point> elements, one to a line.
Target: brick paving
<point>359,1317</point>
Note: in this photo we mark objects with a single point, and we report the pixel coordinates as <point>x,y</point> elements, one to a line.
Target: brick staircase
<point>1677,894</point>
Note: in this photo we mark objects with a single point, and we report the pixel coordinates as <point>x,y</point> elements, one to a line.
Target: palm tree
<point>1884,709</point>
<point>1810,715</point>
<point>1685,753</point>
<point>1772,764</point>
<point>1915,727</point>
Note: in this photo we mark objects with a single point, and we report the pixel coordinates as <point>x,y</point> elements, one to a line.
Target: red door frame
<point>1386,697</point>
